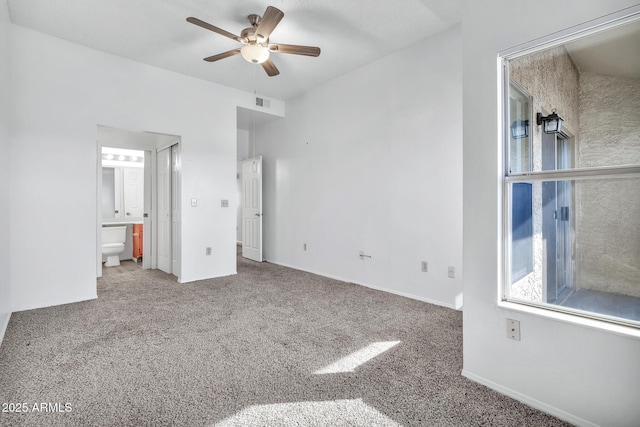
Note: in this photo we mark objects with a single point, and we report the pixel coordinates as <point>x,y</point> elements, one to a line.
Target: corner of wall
<point>4,322</point>
<point>5,176</point>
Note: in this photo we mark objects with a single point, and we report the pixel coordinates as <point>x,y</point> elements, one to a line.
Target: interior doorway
<point>249,225</point>
<point>149,143</point>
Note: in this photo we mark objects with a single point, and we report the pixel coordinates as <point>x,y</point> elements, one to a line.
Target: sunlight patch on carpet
<point>360,357</point>
<point>351,412</point>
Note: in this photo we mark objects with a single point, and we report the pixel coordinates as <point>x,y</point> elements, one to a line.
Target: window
<point>572,196</point>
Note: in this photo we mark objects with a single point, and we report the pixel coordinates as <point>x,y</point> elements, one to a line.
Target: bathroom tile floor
<point>124,267</point>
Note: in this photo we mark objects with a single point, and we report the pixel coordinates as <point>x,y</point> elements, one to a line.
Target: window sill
<point>600,325</point>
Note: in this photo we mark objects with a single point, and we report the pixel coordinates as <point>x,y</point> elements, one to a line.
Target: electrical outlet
<point>425,266</point>
<point>513,329</point>
<point>208,251</point>
<point>451,272</point>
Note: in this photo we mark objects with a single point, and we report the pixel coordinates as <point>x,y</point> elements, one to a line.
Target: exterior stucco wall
<point>551,78</point>
<point>607,224</point>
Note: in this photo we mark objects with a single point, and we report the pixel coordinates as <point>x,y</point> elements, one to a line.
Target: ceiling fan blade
<point>268,22</point>
<point>294,49</point>
<point>222,55</point>
<point>270,68</point>
<point>213,28</point>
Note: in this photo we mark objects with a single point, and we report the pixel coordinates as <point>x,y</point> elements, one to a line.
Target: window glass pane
<point>580,247</point>
<point>593,84</point>
<point>519,129</point>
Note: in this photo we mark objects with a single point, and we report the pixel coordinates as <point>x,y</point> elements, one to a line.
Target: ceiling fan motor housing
<point>249,36</point>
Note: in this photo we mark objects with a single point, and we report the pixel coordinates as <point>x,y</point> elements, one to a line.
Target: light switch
<point>194,203</point>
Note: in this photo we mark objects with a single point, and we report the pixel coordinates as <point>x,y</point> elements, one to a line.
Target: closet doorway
<point>168,212</point>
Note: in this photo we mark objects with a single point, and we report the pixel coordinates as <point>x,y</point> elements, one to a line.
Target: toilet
<point>113,239</point>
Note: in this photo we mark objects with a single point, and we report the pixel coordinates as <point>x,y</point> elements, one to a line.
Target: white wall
<point>5,176</point>
<point>243,144</point>
<point>243,153</point>
<point>371,161</point>
<point>61,92</point>
<point>584,374</point>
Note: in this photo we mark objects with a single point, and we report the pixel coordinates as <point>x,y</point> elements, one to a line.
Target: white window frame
<point>594,320</point>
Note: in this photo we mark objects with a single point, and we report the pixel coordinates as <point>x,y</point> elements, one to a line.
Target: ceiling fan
<point>255,39</point>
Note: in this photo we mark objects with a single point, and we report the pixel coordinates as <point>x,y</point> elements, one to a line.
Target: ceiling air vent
<point>265,103</point>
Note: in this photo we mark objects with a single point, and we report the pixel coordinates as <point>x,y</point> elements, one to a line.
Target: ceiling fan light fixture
<point>255,53</point>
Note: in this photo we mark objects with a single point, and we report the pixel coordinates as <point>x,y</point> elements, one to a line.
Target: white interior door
<point>164,261</point>
<point>133,192</point>
<point>252,209</point>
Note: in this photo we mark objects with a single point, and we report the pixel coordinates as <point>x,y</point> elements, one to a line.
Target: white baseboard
<point>54,302</point>
<point>544,407</point>
<point>4,322</point>
<point>366,285</point>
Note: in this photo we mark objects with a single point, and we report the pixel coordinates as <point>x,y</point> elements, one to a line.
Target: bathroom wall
<point>5,176</point>
<point>608,253</point>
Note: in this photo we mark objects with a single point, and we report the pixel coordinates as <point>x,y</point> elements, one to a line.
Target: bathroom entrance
<point>132,201</point>
<point>123,205</point>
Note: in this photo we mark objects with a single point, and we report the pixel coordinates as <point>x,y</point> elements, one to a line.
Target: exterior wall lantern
<point>551,123</point>
<point>520,129</point>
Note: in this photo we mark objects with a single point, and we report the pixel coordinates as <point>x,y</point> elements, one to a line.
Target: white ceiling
<point>614,52</point>
<point>351,34</point>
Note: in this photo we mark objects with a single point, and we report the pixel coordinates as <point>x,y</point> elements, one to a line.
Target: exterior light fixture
<point>551,123</point>
<point>255,53</point>
<point>520,129</point>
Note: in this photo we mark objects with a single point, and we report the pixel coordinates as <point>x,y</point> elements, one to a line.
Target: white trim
<point>169,145</point>
<point>603,23</point>
<point>57,301</point>
<point>544,407</point>
<point>3,325</point>
<point>573,319</point>
<point>576,174</point>
<point>366,285</point>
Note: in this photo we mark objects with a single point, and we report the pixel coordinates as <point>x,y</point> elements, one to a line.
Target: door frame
<point>175,177</point>
<point>255,254</point>
<point>149,142</point>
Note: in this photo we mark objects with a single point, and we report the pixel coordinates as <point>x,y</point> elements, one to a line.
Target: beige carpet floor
<point>270,346</point>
